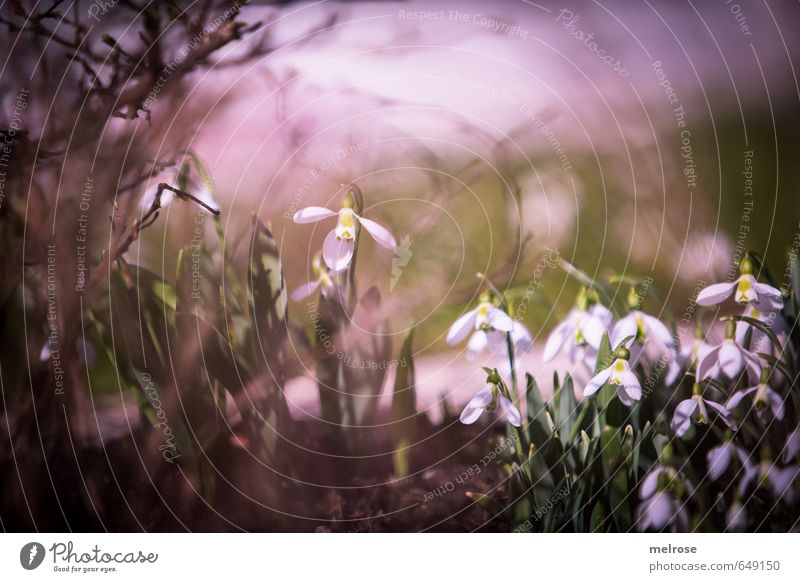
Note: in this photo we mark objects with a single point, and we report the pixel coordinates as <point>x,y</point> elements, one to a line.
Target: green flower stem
<point>521,458</point>
<point>512,365</point>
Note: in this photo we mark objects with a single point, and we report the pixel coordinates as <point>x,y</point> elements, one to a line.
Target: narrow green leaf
<point>404,409</point>
<point>567,411</point>
<point>538,432</point>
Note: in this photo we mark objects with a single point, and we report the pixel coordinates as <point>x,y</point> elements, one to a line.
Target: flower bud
<point>348,201</point>
<point>746,266</point>
<point>622,353</point>
<point>730,329</point>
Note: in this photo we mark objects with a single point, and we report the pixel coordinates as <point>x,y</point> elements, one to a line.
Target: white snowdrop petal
<point>649,483</point>
<point>510,411</point>
<point>304,290</point>
<point>593,329</point>
<point>500,320</point>
<point>477,343</point>
<point>598,381</point>
<point>337,253</point>
<point>681,419</point>
<point>658,330</point>
<point>378,232</point>
<point>461,328</point>
<point>625,327</point>
<point>312,214</point>
<point>731,361</point>
<point>556,340</point>
<point>718,460</point>
<point>714,294</point>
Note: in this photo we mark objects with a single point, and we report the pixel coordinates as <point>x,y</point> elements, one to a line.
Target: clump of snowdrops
<point>652,428</point>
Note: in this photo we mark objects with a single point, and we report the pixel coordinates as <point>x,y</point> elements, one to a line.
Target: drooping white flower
<point>521,338</point>
<point>581,331</point>
<point>764,398</point>
<point>729,360</point>
<point>695,410</point>
<point>661,507</point>
<point>688,356</point>
<point>748,290</point>
<point>339,245</point>
<point>482,339</point>
<point>190,177</point>
<point>488,324</point>
<point>736,516</point>
<point>489,399</point>
<point>640,328</point>
<point>719,458</point>
<point>496,342</point>
<point>759,341</point>
<point>780,481</point>
<point>324,282</point>
<point>619,374</point>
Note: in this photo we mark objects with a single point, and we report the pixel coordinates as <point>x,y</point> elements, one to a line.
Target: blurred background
<point>654,139</point>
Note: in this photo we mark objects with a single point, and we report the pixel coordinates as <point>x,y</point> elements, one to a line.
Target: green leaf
<point>598,518</point>
<point>611,451</point>
<point>542,480</point>
<point>604,359</point>
<point>567,410</point>
<point>583,447</point>
<point>404,409</point>
<point>268,419</point>
<point>538,432</point>
<point>267,294</point>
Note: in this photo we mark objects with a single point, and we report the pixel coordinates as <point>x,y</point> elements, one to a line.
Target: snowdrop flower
<point>339,245</point>
<point>483,322</point>
<point>581,332</point>
<point>521,342</point>
<point>760,341</point>
<point>661,507</point>
<point>728,359</point>
<point>688,356</point>
<point>792,446</point>
<point>719,458</point>
<point>190,177</point>
<point>767,475</point>
<point>324,281</point>
<point>521,337</point>
<point>694,409</point>
<point>493,397</point>
<point>748,290</point>
<point>619,374</point>
<point>736,516</point>
<point>764,397</point>
<point>496,342</point>
<point>640,327</point>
